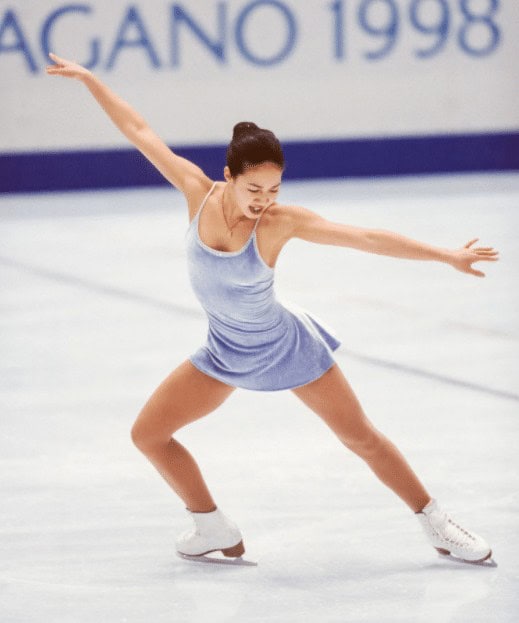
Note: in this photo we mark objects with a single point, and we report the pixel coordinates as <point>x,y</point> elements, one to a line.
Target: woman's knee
<point>140,437</point>
<point>145,436</point>
<point>366,443</point>
<point>185,395</point>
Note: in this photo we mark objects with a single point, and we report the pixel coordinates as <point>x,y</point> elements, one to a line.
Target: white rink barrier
<point>361,76</point>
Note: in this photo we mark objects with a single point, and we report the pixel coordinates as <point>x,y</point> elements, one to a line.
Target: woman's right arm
<point>179,171</point>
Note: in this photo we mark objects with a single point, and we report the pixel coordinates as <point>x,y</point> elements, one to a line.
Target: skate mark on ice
<point>429,374</point>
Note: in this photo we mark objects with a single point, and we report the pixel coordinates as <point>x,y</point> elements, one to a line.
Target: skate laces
<point>449,531</point>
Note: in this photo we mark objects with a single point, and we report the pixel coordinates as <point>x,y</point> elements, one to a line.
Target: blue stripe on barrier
<point>125,168</point>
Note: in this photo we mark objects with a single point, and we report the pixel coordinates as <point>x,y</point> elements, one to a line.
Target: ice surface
<point>96,310</point>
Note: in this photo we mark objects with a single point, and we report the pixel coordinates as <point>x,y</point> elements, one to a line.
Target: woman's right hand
<point>67,69</point>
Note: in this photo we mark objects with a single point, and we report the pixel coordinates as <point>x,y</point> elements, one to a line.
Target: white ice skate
<point>213,532</point>
<point>449,538</point>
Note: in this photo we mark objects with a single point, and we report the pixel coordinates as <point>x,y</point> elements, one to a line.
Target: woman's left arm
<point>312,227</point>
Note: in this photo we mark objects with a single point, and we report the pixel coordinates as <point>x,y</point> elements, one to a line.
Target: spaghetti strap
<point>205,200</point>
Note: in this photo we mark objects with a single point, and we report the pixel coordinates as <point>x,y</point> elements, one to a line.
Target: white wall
<point>324,87</point>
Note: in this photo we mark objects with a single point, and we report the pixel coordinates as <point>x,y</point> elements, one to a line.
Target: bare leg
<point>332,398</point>
<point>184,396</point>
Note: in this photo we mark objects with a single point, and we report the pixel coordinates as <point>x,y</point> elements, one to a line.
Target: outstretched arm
<point>177,170</point>
<point>312,227</point>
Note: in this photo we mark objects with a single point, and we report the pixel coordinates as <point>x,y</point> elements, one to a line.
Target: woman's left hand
<point>462,259</point>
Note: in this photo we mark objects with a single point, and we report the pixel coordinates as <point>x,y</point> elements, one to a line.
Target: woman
<point>236,232</point>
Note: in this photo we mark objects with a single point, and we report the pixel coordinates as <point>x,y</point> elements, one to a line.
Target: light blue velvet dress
<point>253,341</point>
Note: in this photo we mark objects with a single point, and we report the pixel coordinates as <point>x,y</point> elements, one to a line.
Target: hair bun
<point>244,127</point>
<point>252,145</point>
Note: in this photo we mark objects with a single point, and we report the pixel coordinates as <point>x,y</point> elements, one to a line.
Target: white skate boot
<point>213,532</point>
<point>450,538</point>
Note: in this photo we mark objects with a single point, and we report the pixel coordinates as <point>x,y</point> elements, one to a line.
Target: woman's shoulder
<point>283,218</point>
<point>281,211</point>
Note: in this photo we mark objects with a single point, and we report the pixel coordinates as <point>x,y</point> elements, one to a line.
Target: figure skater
<point>236,232</point>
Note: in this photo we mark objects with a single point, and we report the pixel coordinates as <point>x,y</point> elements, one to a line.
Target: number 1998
<point>478,33</point>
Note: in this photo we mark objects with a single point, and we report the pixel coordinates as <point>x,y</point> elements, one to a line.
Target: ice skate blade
<point>488,561</point>
<point>239,561</point>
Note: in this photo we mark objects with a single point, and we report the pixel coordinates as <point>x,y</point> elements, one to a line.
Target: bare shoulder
<point>195,190</point>
<point>289,220</point>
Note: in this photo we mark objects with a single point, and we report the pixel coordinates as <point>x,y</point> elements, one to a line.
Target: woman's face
<point>256,188</point>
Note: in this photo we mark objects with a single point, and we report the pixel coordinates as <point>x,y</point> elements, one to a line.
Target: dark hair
<point>251,145</point>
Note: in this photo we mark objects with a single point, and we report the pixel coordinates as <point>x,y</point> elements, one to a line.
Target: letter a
<point>20,44</point>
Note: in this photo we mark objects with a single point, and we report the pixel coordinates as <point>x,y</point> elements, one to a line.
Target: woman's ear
<point>227,173</point>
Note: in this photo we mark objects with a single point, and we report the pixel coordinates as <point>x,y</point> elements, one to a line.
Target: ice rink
<point>96,309</point>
